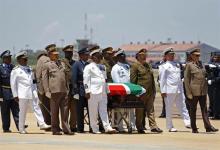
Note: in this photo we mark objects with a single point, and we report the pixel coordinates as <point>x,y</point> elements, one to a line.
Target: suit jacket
<point>195,80</point>
<point>143,75</point>
<point>54,78</point>
<point>39,68</point>
<point>22,84</point>
<point>94,77</point>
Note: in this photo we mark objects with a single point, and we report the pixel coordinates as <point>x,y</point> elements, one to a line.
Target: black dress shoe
<point>69,133</point>
<point>141,131</point>
<point>157,130</point>
<point>211,129</point>
<point>80,131</point>
<point>25,126</point>
<point>7,131</point>
<point>162,116</point>
<point>57,133</point>
<point>195,131</point>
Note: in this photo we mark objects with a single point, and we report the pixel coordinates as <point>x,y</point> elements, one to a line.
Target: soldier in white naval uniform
<point>171,87</point>
<point>24,91</point>
<point>94,79</point>
<point>121,74</point>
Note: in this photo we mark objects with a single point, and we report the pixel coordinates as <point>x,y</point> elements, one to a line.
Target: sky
<point>37,23</point>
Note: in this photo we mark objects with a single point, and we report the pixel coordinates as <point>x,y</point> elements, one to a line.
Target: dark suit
<point>78,88</point>
<point>8,104</point>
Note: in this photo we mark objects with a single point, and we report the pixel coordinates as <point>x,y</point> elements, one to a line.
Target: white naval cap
<point>168,50</point>
<point>21,54</point>
<point>119,52</point>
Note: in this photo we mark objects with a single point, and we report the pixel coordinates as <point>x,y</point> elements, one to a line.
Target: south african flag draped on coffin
<point>125,89</point>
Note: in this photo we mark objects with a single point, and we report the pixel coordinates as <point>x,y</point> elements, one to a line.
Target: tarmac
<point>37,139</point>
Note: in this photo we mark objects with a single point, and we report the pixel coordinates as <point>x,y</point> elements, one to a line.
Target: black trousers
<point>81,103</point>
<point>193,107</point>
<point>216,103</point>
<point>7,107</point>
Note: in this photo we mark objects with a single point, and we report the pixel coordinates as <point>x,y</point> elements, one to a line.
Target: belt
<point>6,87</point>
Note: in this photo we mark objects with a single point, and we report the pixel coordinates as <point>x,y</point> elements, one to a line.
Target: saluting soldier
<point>24,90</point>
<point>78,87</point>
<point>107,60</point>
<point>56,88</point>
<point>142,74</point>
<point>68,61</point>
<point>42,59</point>
<point>196,90</point>
<point>8,103</point>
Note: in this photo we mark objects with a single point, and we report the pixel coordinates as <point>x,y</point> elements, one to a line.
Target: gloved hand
<point>48,95</point>
<point>209,82</point>
<point>1,99</point>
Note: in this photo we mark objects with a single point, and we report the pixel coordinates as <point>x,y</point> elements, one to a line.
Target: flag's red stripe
<point>117,90</point>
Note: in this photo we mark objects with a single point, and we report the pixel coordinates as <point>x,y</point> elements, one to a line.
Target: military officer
<point>78,87</point>
<point>107,60</point>
<point>68,61</point>
<point>171,87</point>
<point>94,79</point>
<point>8,103</point>
<point>24,90</point>
<point>42,59</point>
<point>56,89</point>
<point>141,73</point>
<point>121,74</point>
<point>196,90</point>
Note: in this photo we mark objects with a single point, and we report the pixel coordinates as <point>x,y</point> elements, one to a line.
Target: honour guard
<point>171,87</point>
<point>94,79</point>
<point>24,90</point>
<point>8,103</point>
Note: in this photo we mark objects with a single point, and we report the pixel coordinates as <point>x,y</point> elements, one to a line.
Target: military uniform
<point>45,101</point>
<point>71,101</point>
<point>8,103</point>
<point>23,86</point>
<point>171,84</point>
<point>196,90</point>
<point>56,88</point>
<point>78,89</point>
<point>142,74</point>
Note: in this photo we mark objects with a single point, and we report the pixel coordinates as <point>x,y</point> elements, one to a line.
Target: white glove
<point>76,96</point>
<point>209,82</point>
<point>1,99</point>
<point>48,95</point>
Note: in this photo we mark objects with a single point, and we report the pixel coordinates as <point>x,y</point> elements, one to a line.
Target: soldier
<point>78,87</point>
<point>68,51</point>
<point>56,89</point>
<point>171,87</point>
<point>214,84</point>
<point>107,60</point>
<point>42,59</point>
<point>121,74</point>
<point>196,90</point>
<point>142,74</point>
<point>94,79</point>
<point>24,90</point>
<point>8,103</point>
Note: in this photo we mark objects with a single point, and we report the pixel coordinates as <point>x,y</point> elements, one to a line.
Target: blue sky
<point>115,22</point>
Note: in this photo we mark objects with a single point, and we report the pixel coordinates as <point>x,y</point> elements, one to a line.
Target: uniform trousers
<point>98,105</point>
<point>179,100</point>
<point>23,105</point>
<point>7,107</point>
<point>149,107</point>
<point>59,101</point>
<point>193,107</point>
<point>72,112</point>
<point>45,108</point>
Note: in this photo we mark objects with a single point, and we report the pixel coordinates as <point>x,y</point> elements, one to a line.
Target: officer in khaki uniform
<point>68,61</point>
<point>108,61</point>
<point>196,90</point>
<point>42,59</point>
<point>56,88</point>
<point>142,74</point>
